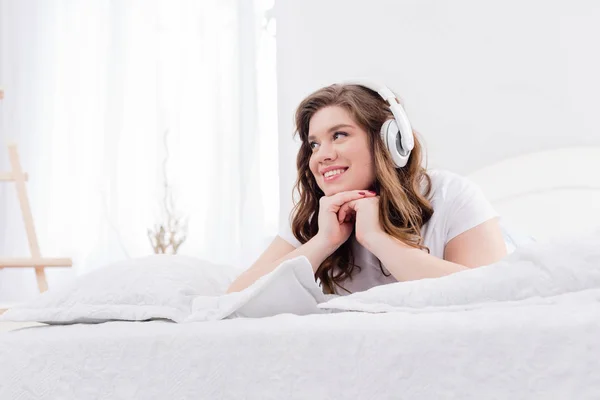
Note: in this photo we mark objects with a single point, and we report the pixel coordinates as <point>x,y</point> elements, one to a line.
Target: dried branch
<point>166,238</point>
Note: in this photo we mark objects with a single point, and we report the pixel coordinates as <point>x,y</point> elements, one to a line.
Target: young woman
<point>369,213</point>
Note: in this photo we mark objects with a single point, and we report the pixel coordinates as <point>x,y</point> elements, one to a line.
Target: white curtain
<point>97,91</point>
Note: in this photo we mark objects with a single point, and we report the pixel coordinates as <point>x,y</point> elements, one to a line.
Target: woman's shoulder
<point>446,184</point>
<point>458,203</point>
<point>454,193</point>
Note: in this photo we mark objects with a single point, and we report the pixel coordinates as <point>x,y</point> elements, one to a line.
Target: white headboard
<point>546,194</point>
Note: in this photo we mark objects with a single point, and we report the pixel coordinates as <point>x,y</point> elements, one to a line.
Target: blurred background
<point>128,112</point>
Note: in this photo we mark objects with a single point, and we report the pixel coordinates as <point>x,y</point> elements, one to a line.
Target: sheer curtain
<point>99,93</point>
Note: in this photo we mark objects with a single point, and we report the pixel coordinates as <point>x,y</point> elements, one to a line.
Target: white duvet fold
<point>289,289</point>
<point>541,273</point>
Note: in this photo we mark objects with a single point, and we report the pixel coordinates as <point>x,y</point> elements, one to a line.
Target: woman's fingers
<point>347,206</point>
<point>345,210</point>
<point>341,198</point>
<point>342,213</point>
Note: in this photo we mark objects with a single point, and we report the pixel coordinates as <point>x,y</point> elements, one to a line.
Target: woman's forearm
<point>315,250</point>
<point>407,263</point>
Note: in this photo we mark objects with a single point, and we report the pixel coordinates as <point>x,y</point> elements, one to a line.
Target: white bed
<point>463,355</point>
<point>540,351</point>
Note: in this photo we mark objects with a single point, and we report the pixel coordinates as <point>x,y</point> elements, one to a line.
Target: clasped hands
<point>341,212</point>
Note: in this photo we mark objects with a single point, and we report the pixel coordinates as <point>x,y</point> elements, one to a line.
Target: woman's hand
<point>366,215</point>
<point>333,231</point>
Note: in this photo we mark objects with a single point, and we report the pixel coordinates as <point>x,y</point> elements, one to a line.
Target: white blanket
<point>541,273</point>
<point>289,289</point>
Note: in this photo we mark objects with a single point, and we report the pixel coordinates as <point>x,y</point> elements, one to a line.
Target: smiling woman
<point>368,212</point>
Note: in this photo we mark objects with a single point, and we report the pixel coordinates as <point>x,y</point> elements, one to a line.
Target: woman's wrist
<point>374,240</point>
<point>324,244</point>
<point>369,240</point>
<point>317,250</point>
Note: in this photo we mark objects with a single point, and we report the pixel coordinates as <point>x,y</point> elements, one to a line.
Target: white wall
<point>481,81</point>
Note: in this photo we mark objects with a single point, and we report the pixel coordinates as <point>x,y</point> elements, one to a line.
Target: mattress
<point>536,351</point>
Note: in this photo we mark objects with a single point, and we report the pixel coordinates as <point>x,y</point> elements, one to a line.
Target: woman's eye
<point>313,145</point>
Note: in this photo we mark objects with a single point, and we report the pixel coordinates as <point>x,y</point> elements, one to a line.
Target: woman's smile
<point>334,174</point>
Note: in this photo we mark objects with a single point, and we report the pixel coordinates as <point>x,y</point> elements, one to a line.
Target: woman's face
<point>341,158</point>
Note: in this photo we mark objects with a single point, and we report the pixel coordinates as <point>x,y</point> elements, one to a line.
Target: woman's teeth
<point>334,172</point>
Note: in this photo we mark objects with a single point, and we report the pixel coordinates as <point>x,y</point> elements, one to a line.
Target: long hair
<point>403,192</point>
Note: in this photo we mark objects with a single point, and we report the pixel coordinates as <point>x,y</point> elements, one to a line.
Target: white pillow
<point>538,270</point>
<point>153,287</point>
<point>289,289</point>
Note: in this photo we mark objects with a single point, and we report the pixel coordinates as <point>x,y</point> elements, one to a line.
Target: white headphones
<point>397,134</point>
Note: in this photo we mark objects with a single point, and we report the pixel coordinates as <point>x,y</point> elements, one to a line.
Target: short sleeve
<point>285,232</point>
<point>465,208</point>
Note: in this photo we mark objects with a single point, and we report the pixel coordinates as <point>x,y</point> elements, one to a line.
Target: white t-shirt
<point>458,205</point>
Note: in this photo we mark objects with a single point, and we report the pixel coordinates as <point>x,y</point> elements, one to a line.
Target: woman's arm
<point>279,251</point>
<point>475,247</point>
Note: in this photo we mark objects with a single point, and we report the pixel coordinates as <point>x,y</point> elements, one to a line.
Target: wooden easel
<point>36,260</point>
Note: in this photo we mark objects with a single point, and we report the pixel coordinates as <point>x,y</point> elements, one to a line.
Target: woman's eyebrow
<point>332,129</point>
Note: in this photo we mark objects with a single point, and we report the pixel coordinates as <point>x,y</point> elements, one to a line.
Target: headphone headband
<point>383,91</point>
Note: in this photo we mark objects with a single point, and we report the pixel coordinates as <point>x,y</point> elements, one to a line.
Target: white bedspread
<point>11,326</point>
<point>549,351</point>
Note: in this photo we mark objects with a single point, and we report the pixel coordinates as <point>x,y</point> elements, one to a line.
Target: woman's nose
<point>326,152</point>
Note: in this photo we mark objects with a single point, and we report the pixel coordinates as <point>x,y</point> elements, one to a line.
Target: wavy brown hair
<point>403,204</point>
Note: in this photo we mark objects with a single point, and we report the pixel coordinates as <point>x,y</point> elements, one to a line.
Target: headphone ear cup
<point>392,140</point>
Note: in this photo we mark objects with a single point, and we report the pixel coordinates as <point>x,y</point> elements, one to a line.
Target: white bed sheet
<point>536,351</point>
<point>11,326</point>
